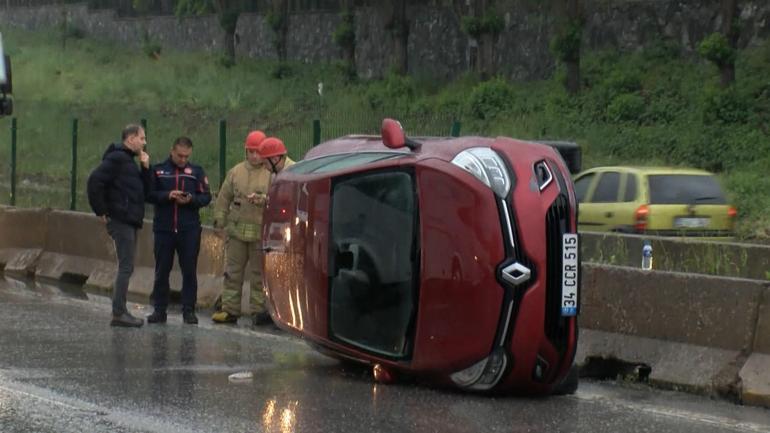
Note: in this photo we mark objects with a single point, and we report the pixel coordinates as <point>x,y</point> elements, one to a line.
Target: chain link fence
<point>48,162</point>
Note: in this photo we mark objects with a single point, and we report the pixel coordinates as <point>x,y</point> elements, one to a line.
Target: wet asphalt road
<point>62,369</point>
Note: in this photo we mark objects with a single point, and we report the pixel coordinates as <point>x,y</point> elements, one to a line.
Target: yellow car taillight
<point>640,216</point>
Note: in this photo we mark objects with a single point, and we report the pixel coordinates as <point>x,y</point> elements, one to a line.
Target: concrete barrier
<point>755,374</point>
<point>692,255</point>
<point>698,333</point>
<point>75,246</point>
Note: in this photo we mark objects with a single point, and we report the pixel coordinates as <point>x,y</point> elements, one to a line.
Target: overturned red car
<point>454,260</point>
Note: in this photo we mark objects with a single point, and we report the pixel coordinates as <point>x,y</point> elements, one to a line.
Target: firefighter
<point>238,210</point>
<point>273,152</point>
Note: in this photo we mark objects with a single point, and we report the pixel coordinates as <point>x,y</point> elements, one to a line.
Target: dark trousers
<point>124,236</point>
<point>186,245</point>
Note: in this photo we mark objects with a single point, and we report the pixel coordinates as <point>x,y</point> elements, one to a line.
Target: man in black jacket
<point>116,193</point>
<point>178,189</point>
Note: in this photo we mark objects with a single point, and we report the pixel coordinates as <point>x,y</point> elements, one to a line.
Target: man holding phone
<point>178,189</point>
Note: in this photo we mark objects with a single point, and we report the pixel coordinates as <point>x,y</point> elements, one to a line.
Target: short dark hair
<point>130,129</point>
<point>183,142</point>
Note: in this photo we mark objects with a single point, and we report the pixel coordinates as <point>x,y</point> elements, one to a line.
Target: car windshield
<point>340,161</point>
<point>685,189</point>
<point>374,261</point>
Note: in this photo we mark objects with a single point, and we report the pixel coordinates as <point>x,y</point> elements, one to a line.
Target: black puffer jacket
<point>116,188</point>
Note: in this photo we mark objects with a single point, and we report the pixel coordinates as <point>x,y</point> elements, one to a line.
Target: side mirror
<point>393,134</point>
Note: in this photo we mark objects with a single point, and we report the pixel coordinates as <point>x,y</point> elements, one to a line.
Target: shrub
<point>150,46</point>
<point>661,50</point>
<point>565,46</point>
<point>491,23</point>
<point>281,70</point>
<point>70,30</point>
<point>394,93</point>
<point>624,80</point>
<point>715,48</point>
<point>345,33</point>
<point>489,99</point>
<point>725,106</point>
<point>626,108</point>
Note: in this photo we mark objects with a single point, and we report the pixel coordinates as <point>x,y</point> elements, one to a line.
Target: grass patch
<point>651,107</point>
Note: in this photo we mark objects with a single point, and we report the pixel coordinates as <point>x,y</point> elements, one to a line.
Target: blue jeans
<point>124,237</point>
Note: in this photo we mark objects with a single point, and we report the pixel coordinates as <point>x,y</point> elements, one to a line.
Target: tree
<point>566,43</point>
<point>481,21</point>
<point>345,36</point>
<point>721,47</point>
<point>278,19</point>
<point>227,11</point>
<point>731,28</point>
<point>397,25</point>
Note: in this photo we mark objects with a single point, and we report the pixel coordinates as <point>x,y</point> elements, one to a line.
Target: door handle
<point>609,214</point>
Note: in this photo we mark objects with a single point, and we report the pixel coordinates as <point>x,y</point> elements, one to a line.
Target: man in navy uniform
<point>178,189</point>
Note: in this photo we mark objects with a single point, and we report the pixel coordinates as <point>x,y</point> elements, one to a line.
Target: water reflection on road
<point>62,369</point>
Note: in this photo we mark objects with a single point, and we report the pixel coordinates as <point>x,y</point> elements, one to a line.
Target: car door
<point>600,210</point>
<point>624,216</point>
<point>587,218</point>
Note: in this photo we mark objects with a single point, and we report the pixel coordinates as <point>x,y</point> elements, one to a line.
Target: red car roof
<point>445,148</point>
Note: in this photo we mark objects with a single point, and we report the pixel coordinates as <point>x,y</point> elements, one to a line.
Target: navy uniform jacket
<point>166,177</point>
<point>116,187</point>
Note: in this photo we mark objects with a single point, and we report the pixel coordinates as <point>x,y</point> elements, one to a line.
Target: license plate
<point>569,274</point>
<point>690,222</point>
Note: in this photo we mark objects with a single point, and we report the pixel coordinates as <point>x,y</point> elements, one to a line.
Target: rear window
<point>685,189</point>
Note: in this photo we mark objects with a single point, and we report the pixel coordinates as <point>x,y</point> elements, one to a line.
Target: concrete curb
<point>686,367</point>
<point>698,333</point>
<point>74,246</point>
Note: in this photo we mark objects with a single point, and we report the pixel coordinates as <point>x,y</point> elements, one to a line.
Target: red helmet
<point>254,139</point>
<point>271,146</point>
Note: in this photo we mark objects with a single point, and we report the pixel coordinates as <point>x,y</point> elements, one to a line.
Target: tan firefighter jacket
<point>233,210</point>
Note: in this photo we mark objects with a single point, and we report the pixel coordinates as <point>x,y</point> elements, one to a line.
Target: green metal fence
<point>49,161</point>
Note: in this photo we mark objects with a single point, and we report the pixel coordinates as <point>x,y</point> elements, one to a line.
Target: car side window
<point>631,187</point>
<point>581,186</point>
<point>373,234</point>
<point>607,188</point>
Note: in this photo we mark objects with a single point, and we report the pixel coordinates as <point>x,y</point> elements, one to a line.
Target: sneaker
<point>224,317</point>
<point>126,320</point>
<point>189,317</point>
<point>157,317</point>
<point>261,319</point>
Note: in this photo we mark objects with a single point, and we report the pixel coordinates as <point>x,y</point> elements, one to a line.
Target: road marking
<point>123,418</point>
<point>668,412</point>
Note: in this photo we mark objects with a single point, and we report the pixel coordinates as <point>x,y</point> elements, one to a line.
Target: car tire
<point>570,153</point>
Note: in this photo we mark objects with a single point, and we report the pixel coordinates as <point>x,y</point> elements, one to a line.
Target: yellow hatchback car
<point>653,200</point>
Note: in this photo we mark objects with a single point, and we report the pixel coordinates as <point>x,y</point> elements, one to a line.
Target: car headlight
<point>484,374</point>
<point>487,166</point>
